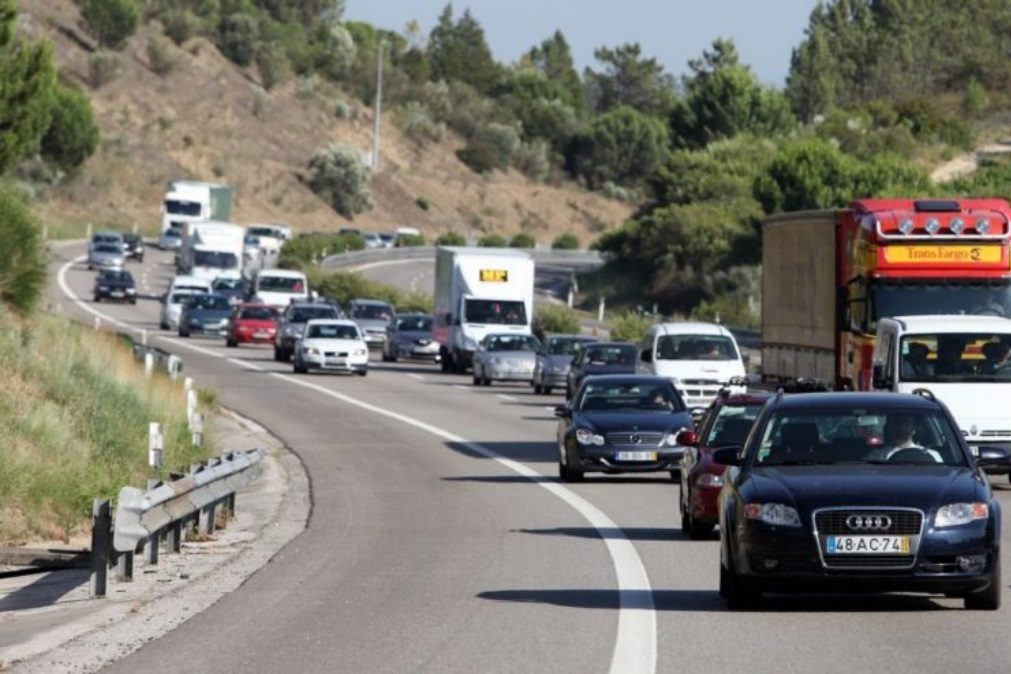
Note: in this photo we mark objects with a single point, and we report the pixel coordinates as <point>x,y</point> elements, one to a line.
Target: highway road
<point>440,540</point>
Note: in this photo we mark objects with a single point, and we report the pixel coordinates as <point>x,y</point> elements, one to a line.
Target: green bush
<point>103,67</point>
<point>410,240</point>
<point>423,203</point>
<point>343,286</point>
<point>180,24</point>
<point>72,135</point>
<point>629,327</point>
<point>975,100</point>
<point>566,241</point>
<point>22,254</point>
<point>341,179</point>
<point>160,58</point>
<point>418,125</point>
<point>273,65</point>
<point>111,22</point>
<point>492,241</point>
<point>533,159</point>
<point>240,37</point>
<point>522,240</point>
<point>491,147</point>
<point>555,319</point>
<point>450,239</point>
<point>304,251</point>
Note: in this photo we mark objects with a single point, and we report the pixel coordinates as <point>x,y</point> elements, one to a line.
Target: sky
<point>673,31</point>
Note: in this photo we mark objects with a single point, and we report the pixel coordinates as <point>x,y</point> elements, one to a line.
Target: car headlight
<point>671,439</point>
<point>361,352</point>
<point>710,480</point>
<point>776,514</point>
<point>291,330</point>
<point>587,437</point>
<point>310,351</point>
<point>960,513</point>
<point>104,288</point>
<point>470,343</point>
<point>131,291</point>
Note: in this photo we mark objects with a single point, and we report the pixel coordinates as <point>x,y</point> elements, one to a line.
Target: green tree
<point>112,22</point>
<point>240,38</point>
<point>628,79</point>
<point>450,239</point>
<point>492,241</point>
<point>22,254</point>
<point>553,59</point>
<point>72,135</point>
<point>522,240</point>
<point>458,51</point>
<point>622,146</point>
<point>629,327</point>
<point>27,78</point>
<point>555,319</point>
<point>540,106</point>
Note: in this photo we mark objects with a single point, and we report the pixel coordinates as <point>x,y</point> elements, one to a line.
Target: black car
<point>115,284</point>
<point>600,358</point>
<point>133,246</point>
<point>207,314</point>
<point>621,424</point>
<point>858,492</point>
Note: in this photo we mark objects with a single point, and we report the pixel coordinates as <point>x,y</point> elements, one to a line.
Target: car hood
<point>608,369</point>
<point>333,344</point>
<point>412,335</point>
<point>512,355</point>
<point>717,370</point>
<point>606,422</point>
<point>980,409</point>
<point>810,487</point>
<point>119,285</point>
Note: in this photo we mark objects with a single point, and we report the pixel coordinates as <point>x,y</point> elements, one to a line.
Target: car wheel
<point>988,599</point>
<point>231,343</point>
<point>362,373</point>
<point>133,301</point>
<point>476,378</point>
<point>277,354</point>
<point>485,381</point>
<point>566,474</point>
<point>538,389</point>
<point>675,476</point>
<point>735,593</point>
<point>393,358</point>
<point>297,367</point>
<point>184,333</point>
<point>98,298</point>
<point>163,325</point>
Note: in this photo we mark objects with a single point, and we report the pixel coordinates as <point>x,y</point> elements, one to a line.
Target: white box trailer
<point>193,201</point>
<point>212,249</point>
<point>479,291</point>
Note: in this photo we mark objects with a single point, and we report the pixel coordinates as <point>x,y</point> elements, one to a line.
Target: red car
<point>252,324</point>
<point>727,422</point>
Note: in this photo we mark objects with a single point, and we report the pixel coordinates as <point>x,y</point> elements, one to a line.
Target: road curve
<point>440,542</point>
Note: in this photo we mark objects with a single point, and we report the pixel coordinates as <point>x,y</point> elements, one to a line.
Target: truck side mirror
<point>880,380</point>
<point>647,355</point>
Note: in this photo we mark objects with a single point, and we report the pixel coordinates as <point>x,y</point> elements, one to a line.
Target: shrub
<point>491,147</point>
<point>240,36</point>
<point>410,240</point>
<point>343,110</point>
<point>160,58</point>
<point>272,64</point>
<point>422,203</point>
<point>304,251</point>
<point>72,135</point>
<point>180,25</point>
<point>341,179</point>
<point>343,286</point>
<point>418,125</point>
<point>555,319</point>
<point>566,241</point>
<point>975,100</point>
<point>492,241</point>
<point>103,67</point>
<point>111,22</point>
<point>629,327</point>
<point>533,159</point>
<point>522,240</point>
<point>450,239</point>
<point>22,254</point>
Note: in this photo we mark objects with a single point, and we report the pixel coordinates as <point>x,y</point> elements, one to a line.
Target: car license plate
<point>336,362</point>
<point>261,335</point>
<point>117,293</point>
<point>867,545</point>
<point>635,456</point>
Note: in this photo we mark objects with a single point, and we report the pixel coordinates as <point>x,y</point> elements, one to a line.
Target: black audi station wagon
<point>858,492</point>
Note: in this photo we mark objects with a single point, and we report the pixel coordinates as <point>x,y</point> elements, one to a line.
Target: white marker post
<point>143,337</point>
<point>98,323</point>
<point>191,405</point>
<point>148,364</point>
<point>87,232</point>
<point>155,446</point>
<point>197,429</point>
<point>174,366</point>
<point>600,310</point>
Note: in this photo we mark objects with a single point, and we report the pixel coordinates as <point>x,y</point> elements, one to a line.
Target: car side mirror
<point>563,412</point>
<point>746,359</point>
<point>992,457</point>
<point>880,380</point>
<point>646,356</point>
<point>728,456</point>
<point>687,438</point>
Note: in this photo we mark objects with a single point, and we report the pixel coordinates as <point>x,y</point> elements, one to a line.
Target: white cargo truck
<point>479,291</point>
<point>192,201</point>
<point>211,250</point>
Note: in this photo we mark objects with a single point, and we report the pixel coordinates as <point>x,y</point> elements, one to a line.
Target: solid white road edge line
<point>635,647</point>
<point>507,398</point>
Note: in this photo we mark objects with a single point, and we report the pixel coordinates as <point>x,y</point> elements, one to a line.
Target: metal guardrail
<point>565,258</point>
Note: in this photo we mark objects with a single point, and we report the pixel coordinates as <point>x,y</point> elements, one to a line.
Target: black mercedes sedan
<point>600,358</point>
<point>858,492</point>
<point>115,284</point>
<point>621,424</point>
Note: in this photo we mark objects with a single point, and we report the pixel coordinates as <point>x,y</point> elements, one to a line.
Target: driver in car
<point>899,433</point>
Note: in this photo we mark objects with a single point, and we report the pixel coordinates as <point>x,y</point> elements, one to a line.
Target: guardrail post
<point>175,536</point>
<point>124,566</point>
<point>152,548</point>
<point>231,504</point>
<point>207,518</point>
<point>101,543</point>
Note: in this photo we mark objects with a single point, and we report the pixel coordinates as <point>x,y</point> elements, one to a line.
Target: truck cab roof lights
<point>983,226</point>
<point>936,206</point>
<point>933,226</point>
<point>907,225</point>
<point>957,226</point>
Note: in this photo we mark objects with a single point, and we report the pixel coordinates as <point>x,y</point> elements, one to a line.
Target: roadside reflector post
<point>191,406</point>
<point>87,232</point>
<point>197,429</point>
<point>600,310</point>
<point>188,384</point>
<point>136,227</point>
<point>155,446</point>
<point>148,364</point>
<point>98,323</point>
<point>174,367</point>
<point>571,297</point>
<point>143,337</point>
<point>101,541</point>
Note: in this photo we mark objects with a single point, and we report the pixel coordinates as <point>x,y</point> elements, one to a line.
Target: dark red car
<point>727,422</point>
<point>252,324</point>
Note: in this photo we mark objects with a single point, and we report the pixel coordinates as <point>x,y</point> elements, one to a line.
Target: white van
<point>699,358</point>
<point>278,287</point>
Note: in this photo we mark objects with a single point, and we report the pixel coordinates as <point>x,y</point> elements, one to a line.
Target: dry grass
<point>74,414</point>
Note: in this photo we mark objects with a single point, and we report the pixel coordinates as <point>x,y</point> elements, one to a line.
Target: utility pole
<point>378,106</point>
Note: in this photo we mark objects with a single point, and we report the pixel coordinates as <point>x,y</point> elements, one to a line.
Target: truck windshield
<point>910,299</point>
<point>216,259</point>
<point>695,347</point>
<point>280,284</point>
<point>190,208</point>
<point>955,357</point>
<point>495,312</point>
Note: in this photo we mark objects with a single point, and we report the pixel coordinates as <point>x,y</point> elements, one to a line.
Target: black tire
<point>485,381</point>
<point>163,326</point>
<point>184,333</point>
<point>566,474</point>
<point>736,594</point>
<point>98,298</point>
<point>675,476</point>
<point>988,599</point>
<point>546,390</point>
<point>476,380</point>
<point>133,301</point>
<point>231,343</point>
<point>278,355</point>
<point>362,373</point>
<point>393,358</point>
<point>538,389</point>
<point>298,369</point>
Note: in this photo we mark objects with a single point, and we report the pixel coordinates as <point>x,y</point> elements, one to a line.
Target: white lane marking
<point>635,644</point>
<point>462,387</point>
<point>415,375</point>
<point>507,398</point>
<point>246,365</point>
<point>550,409</point>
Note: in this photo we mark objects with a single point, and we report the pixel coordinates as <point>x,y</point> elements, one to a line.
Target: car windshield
<point>107,248</point>
<point>618,354</point>
<point>859,436</point>
<point>984,299</point>
<point>209,303</point>
<point>379,312</point>
<point>258,313</point>
<point>731,425</point>
<point>512,343</point>
<point>306,314</point>
<point>564,346</point>
<point>131,239</point>
<point>227,284</point>
<point>179,298</point>
<point>255,232</point>
<point>495,312</point>
<point>414,324</point>
<point>281,284</point>
<point>955,357</point>
<point>695,347</point>
<point>176,207</point>
<point>388,237</point>
<point>216,259</point>
<point>332,332</point>
<point>172,233</point>
<point>120,276</point>
<point>252,240</point>
<point>627,396</point>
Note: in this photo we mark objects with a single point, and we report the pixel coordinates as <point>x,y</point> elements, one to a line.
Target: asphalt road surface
<point>440,541</point>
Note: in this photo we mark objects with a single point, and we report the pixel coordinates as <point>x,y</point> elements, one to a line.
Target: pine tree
<point>553,58</point>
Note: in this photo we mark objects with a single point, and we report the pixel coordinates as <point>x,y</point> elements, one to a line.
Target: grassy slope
<point>208,119</point>
<point>74,414</point>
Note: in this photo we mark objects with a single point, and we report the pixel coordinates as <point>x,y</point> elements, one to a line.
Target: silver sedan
<point>505,357</point>
<point>106,256</point>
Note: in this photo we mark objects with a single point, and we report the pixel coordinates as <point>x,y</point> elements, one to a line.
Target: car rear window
<point>258,313</point>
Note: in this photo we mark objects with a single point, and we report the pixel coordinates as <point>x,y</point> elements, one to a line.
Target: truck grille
<point>626,439</point>
<point>904,522</point>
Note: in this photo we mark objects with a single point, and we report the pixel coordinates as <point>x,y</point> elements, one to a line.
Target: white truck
<point>211,250</point>
<point>479,291</point>
<point>962,360</point>
<point>192,201</point>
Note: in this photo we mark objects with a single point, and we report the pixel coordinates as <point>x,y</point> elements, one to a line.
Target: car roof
<point>828,401</point>
<point>585,338</point>
<point>382,303</point>
<point>751,398</point>
<point>953,324</point>
<point>330,321</point>
<point>626,344</point>
<point>692,328</point>
<point>414,315</point>
<point>254,305</point>
<point>189,279</point>
<point>627,378</point>
<point>282,273</point>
